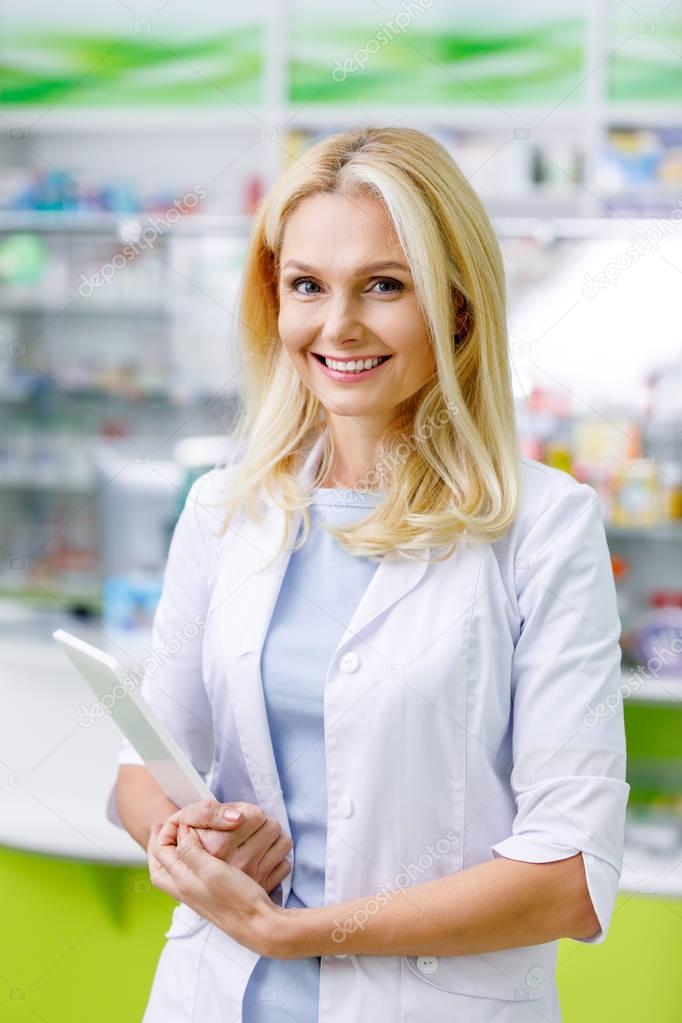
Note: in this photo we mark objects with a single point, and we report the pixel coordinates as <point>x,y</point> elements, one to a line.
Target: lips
<point>351,358</point>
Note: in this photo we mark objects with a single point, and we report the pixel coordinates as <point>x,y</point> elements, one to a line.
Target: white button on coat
<point>427,964</point>
<point>345,806</point>
<point>509,655</point>
<point>535,976</point>
<point>349,662</point>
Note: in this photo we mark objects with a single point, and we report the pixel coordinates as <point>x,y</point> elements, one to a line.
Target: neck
<point>356,443</point>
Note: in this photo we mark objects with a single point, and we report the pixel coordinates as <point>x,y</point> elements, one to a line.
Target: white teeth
<point>354,366</point>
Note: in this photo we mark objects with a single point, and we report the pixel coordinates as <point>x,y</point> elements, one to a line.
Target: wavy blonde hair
<point>449,463</point>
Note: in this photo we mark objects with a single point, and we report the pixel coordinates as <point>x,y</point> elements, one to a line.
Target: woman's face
<point>346,296</point>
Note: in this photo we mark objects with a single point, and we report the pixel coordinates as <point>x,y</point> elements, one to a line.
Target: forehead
<point>333,230</point>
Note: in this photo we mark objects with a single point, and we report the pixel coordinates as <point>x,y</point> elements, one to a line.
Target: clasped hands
<point>223,869</point>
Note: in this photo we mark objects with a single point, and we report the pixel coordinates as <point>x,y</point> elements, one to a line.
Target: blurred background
<point>136,141</point>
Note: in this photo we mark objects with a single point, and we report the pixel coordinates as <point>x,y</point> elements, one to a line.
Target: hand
<point>253,844</point>
<point>234,902</point>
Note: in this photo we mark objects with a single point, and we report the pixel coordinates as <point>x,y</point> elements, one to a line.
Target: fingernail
<point>232,815</point>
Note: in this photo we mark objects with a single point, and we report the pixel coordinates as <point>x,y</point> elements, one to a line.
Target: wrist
<point>278,930</point>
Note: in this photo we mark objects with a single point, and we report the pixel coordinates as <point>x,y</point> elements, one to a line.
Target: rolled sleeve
<point>172,677</point>
<point>568,740</point>
<point>126,755</point>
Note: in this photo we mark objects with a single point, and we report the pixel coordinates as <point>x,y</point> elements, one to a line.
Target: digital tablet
<point>149,737</point>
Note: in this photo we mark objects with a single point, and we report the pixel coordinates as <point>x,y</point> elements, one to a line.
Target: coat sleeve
<point>172,678</point>
<point>568,739</point>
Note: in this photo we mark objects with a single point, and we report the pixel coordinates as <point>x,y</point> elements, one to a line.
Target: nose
<point>340,321</point>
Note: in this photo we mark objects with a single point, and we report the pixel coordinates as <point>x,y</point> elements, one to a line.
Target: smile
<point>350,369</point>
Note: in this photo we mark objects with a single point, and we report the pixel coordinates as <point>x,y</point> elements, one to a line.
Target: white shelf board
<point>124,225</point>
<point>646,872</point>
<point>663,689</point>
<point>482,116</point>
<point>657,531</point>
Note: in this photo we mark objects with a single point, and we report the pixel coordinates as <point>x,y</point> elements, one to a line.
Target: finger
<point>249,852</point>
<point>153,840</point>
<point>276,876</point>
<point>191,852</point>
<point>168,831</point>
<point>273,857</point>
<point>209,813</point>
<point>169,859</point>
<point>160,878</point>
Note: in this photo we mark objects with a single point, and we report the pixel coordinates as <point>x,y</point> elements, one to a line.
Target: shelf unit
<point>587,51</point>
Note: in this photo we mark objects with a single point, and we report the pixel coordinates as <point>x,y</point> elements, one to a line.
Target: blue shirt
<point>322,586</point>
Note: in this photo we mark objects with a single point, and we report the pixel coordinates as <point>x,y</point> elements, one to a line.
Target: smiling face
<point>349,318</point>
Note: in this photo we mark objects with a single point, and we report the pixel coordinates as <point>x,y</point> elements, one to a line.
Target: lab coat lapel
<point>250,581</point>
<point>394,578</point>
<point>255,578</point>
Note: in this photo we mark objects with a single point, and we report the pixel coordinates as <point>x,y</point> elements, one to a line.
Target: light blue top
<point>322,586</point>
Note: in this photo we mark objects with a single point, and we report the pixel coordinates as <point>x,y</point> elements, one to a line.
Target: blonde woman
<point>407,634</point>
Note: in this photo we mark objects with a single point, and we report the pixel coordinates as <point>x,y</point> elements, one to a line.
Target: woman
<point>406,633</point>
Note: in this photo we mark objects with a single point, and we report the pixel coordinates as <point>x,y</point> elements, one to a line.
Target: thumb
<point>209,813</point>
<point>189,849</point>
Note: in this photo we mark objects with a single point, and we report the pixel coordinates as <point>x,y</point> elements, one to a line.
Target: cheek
<point>414,347</point>
<point>293,330</point>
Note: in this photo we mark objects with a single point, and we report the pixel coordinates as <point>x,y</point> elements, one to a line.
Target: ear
<point>464,319</point>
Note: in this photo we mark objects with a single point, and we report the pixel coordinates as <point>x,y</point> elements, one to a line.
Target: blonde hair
<point>459,473</point>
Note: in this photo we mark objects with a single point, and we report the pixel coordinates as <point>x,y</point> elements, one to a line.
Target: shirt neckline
<point>346,496</point>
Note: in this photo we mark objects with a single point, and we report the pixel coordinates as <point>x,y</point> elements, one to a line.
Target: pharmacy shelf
<point>126,225</point>
<point>572,227</point>
<point>541,215</point>
<point>56,485</point>
<point>659,531</point>
<point>75,305</point>
<point>649,872</point>
<point>263,120</point>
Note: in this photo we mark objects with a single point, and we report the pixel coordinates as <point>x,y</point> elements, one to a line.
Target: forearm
<point>501,903</point>
<point>140,802</point>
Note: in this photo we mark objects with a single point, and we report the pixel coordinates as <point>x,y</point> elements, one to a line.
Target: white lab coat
<point>464,718</point>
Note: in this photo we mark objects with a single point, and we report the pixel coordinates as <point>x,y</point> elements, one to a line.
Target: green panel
<point>645,46</point>
<point>654,751</point>
<point>631,977</point>
<point>76,69</point>
<point>343,61</point>
<point>79,941</point>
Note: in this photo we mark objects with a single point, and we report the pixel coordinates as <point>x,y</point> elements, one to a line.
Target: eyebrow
<point>386,264</point>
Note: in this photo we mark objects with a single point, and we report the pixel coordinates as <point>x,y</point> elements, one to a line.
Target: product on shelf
<point>637,158</point>
<point>671,491</point>
<point>76,191</point>
<point>621,576</point>
<point>659,634</point>
<point>637,495</point>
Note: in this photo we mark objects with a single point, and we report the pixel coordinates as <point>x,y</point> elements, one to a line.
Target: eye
<point>301,280</point>
<point>390,280</point>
